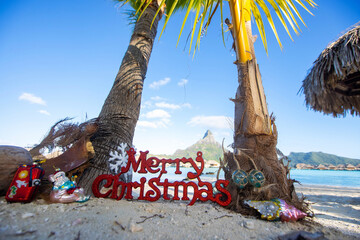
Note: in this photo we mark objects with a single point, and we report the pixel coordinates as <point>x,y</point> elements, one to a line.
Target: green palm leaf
<point>259,22</point>
<point>157,12</point>
<point>168,16</point>
<point>283,9</point>
<point>286,11</point>
<point>185,18</point>
<point>280,16</point>
<point>194,27</point>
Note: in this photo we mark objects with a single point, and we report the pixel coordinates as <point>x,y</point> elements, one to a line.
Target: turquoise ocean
<point>327,177</point>
<point>313,177</point>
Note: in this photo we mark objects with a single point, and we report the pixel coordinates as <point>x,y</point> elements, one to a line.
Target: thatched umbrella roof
<point>333,84</point>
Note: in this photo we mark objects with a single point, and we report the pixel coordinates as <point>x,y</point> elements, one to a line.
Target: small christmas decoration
<point>65,190</point>
<point>276,209</point>
<point>25,183</point>
<point>119,159</point>
<point>124,163</point>
<point>256,178</point>
<point>240,178</point>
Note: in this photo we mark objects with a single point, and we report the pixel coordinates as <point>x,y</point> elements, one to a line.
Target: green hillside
<point>207,145</point>
<point>212,151</point>
<point>316,158</point>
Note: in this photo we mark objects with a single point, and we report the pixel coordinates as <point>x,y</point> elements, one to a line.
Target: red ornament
<point>25,183</point>
<point>203,191</point>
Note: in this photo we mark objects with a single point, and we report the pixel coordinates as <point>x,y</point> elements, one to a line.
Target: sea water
<point>317,177</point>
<point>327,177</point>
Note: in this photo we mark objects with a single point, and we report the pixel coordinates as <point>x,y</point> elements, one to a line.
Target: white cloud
<point>172,106</point>
<point>146,124</point>
<point>158,84</point>
<point>167,105</point>
<point>44,112</point>
<point>183,82</point>
<point>161,123</point>
<point>187,105</point>
<point>146,104</point>
<point>32,98</point>
<point>160,119</point>
<point>157,98</point>
<point>158,113</point>
<point>220,122</point>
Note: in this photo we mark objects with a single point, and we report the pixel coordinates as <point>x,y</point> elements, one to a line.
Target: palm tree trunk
<point>120,112</point>
<point>255,141</point>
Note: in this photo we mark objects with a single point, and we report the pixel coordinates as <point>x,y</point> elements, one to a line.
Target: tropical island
<point>257,184</point>
<point>212,152</point>
<point>348,167</point>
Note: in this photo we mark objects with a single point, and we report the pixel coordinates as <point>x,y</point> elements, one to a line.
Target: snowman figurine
<point>64,190</point>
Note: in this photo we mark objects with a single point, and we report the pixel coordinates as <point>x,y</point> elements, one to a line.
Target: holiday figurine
<point>276,209</point>
<point>65,190</point>
<point>25,183</point>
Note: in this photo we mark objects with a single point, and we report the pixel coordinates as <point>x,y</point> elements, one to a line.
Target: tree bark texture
<point>255,141</point>
<point>120,112</point>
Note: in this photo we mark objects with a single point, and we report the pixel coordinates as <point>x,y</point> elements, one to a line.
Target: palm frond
<point>191,2</point>
<point>197,45</point>
<point>142,10</point>
<point>194,28</point>
<point>259,22</point>
<point>284,9</point>
<point>157,12</point>
<point>222,22</point>
<point>168,15</point>
<point>280,16</point>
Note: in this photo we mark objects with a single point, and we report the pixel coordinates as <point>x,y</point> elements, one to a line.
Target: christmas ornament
<point>256,178</point>
<point>268,209</point>
<point>25,183</point>
<point>289,213</point>
<point>276,209</point>
<point>240,178</point>
<point>65,190</point>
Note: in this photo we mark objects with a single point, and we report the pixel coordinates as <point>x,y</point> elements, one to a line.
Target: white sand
<point>336,207</point>
<point>337,210</point>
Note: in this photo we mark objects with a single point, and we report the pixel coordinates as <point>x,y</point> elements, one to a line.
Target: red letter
<point>95,186</point>
<point>142,187</point>
<point>157,192</point>
<point>152,163</point>
<point>196,194</point>
<point>208,191</point>
<point>198,170</point>
<point>135,164</point>
<point>221,185</point>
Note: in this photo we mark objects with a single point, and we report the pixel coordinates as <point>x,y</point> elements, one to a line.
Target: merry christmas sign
<point>117,189</point>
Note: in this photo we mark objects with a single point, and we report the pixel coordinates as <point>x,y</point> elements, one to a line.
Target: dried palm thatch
<point>63,134</point>
<point>333,84</point>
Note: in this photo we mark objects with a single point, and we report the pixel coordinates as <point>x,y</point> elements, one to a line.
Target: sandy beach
<point>335,207</point>
<point>337,216</point>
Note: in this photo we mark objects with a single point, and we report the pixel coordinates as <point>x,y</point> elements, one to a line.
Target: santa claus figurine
<point>64,190</point>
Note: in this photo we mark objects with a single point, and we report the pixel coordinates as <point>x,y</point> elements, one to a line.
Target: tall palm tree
<point>255,135</point>
<point>120,112</point>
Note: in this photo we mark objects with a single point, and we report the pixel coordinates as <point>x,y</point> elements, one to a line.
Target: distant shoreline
<point>322,186</point>
<point>326,169</point>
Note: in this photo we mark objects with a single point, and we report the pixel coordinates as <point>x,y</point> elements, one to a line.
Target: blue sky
<point>59,59</point>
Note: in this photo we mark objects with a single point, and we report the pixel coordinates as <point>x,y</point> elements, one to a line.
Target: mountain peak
<point>208,134</point>
<point>207,145</point>
<point>208,138</point>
